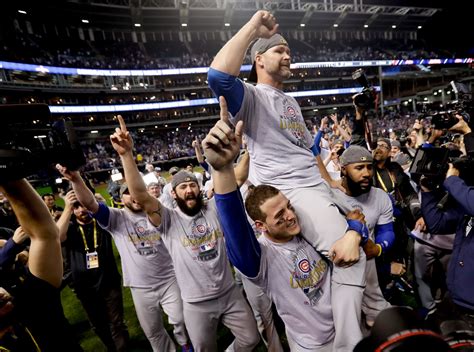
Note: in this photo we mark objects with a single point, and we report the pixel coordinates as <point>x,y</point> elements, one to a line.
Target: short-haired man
<point>290,271</point>
<point>50,200</point>
<point>277,135</point>
<point>146,264</point>
<point>357,173</point>
<point>154,189</point>
<point>166,197</point>
<point>194,238</point>
<point>96,279</point>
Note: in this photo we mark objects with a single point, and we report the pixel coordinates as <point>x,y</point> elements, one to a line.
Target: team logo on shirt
<point>308,275</point>
<point>202,240</point>
<point>292,121</point>
<point>144,239</point>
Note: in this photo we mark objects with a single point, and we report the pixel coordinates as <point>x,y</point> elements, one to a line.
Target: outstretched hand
<point>121,139</point>
<point>222,144</point>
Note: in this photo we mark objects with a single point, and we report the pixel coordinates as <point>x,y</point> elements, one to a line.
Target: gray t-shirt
<point>197,247</point>
<point>375,204</point>
<point>145,260</point>
<point>298,281</point>
<point>278,141</point>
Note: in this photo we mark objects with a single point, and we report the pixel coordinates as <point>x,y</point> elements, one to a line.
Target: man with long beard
<point>194,238</point>
<point>357,174</point>
<point>146,264</point>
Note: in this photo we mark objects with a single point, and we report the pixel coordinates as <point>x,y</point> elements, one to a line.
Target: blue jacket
<point>455,218</point>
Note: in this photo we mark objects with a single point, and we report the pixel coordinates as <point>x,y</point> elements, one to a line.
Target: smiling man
<point>277,135</point>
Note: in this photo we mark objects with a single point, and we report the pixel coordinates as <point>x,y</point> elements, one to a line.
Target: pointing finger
<point>224,110</point>
<point>123,126</point>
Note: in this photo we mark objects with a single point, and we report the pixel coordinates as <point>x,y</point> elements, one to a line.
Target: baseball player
<point>146,264</point>
<point>288,268</point>
<point>277,135</point>
<point>357,173</point>
<point>193,236</point>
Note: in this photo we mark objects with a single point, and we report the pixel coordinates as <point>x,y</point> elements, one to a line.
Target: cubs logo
<point>290,112</point>
<point>199,230</point>
<point>140,227</point>
<point>304,265</point>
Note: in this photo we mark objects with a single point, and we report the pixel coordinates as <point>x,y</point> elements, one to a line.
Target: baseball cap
<point>183,176</point>
<point>123,189</point>
<point>355,154</point>
<point>152,184</point>
<point>385,140</point>
<point>259,47</point>
<point>396,144</point>
<point>173,170</point>
<point>157,168</point>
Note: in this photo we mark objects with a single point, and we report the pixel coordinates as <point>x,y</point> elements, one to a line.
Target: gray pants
<point>373,301</point>
<point>425,257</point>
<point>202,319</point>
<point>147,303</point>
<point>262,307</point>
<point>322,225</point>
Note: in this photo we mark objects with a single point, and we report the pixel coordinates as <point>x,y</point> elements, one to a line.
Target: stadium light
<point>184,24</point>
<point>227,24</point>
<point>137,25</point>
<point>302,25</point>
<point>394,26</point>
<point>335,25</point>
<point>94,132</point>
<point>85,21</point>
<point>420,27</point>
<point>366,26</point>
<point>23,12</point>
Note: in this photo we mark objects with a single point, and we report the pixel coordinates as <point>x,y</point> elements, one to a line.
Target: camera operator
<point>456,217</point>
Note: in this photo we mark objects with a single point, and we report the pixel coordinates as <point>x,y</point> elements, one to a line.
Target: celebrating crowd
<point>321,227</point>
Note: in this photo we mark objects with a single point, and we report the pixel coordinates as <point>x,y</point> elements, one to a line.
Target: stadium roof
<point>210,15</point>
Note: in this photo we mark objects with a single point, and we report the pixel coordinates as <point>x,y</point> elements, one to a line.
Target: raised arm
<point>83,193</point>
<point>221,147</point>
<point>225,67</point>
<point>241,170</point>
<point>123,144</point>
<point>64,220</point>
<point>45,250</point>
<point>197,151</point>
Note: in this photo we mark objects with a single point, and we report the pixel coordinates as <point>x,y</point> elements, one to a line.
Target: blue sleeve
<point>427,145</point>
<point>385,236</point>
<point>316,149</point>
<point>205,166</point>
<point>463,194</point>
<point>8,253</point>
<point>102,215</point>
<point>437,220</point>
<point>242,246</point>
<point>230,87</point>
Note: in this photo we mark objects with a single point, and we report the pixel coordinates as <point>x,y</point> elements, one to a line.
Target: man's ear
<point>261,226</point>
<point>343,171</point>
<point>173,193</point>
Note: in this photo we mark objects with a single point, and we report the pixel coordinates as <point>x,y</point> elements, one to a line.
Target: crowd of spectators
<point>123,54</point>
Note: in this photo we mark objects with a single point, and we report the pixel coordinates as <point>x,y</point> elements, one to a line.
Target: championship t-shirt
<point>298,281</point>
<point>145,260</point>
<point>278,140</point>
<point>196,244</point>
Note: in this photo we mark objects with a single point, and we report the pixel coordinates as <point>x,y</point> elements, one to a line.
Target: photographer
<point>456,216</point>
